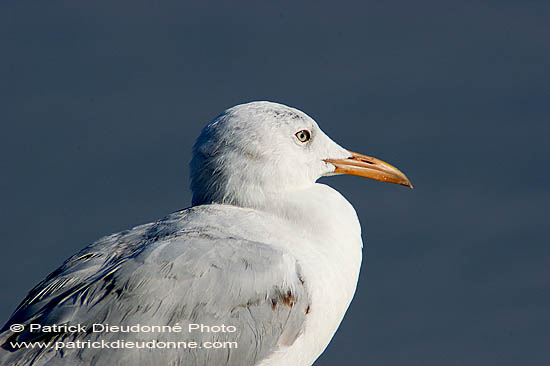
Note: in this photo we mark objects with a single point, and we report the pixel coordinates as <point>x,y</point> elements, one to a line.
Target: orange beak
<point>369,167</point>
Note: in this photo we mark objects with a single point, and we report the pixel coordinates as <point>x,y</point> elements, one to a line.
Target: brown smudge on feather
<point>287,300</point>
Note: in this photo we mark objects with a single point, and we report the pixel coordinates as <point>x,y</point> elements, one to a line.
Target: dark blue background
<point>101,102</point>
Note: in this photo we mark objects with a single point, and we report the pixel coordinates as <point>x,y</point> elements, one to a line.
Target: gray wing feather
<point>162,274</point>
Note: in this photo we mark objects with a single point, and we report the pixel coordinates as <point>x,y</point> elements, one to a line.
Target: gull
<point>260,270</point>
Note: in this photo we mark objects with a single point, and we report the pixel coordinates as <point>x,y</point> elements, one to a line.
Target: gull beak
<point>369,167</point>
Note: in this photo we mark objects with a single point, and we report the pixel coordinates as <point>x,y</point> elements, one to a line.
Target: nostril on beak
<point>363,159</point>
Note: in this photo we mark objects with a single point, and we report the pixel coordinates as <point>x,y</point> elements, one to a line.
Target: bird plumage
<point>264,248</point>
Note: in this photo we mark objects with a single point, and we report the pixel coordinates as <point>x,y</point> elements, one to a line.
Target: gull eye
<point>303,135</point>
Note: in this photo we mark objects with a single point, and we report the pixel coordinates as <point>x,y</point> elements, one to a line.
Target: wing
<point>175,285</point>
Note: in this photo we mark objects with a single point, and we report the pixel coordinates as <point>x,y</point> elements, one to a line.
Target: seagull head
<point>254,151</point>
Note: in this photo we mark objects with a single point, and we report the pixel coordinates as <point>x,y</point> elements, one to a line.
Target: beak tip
<point>406,184</point>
